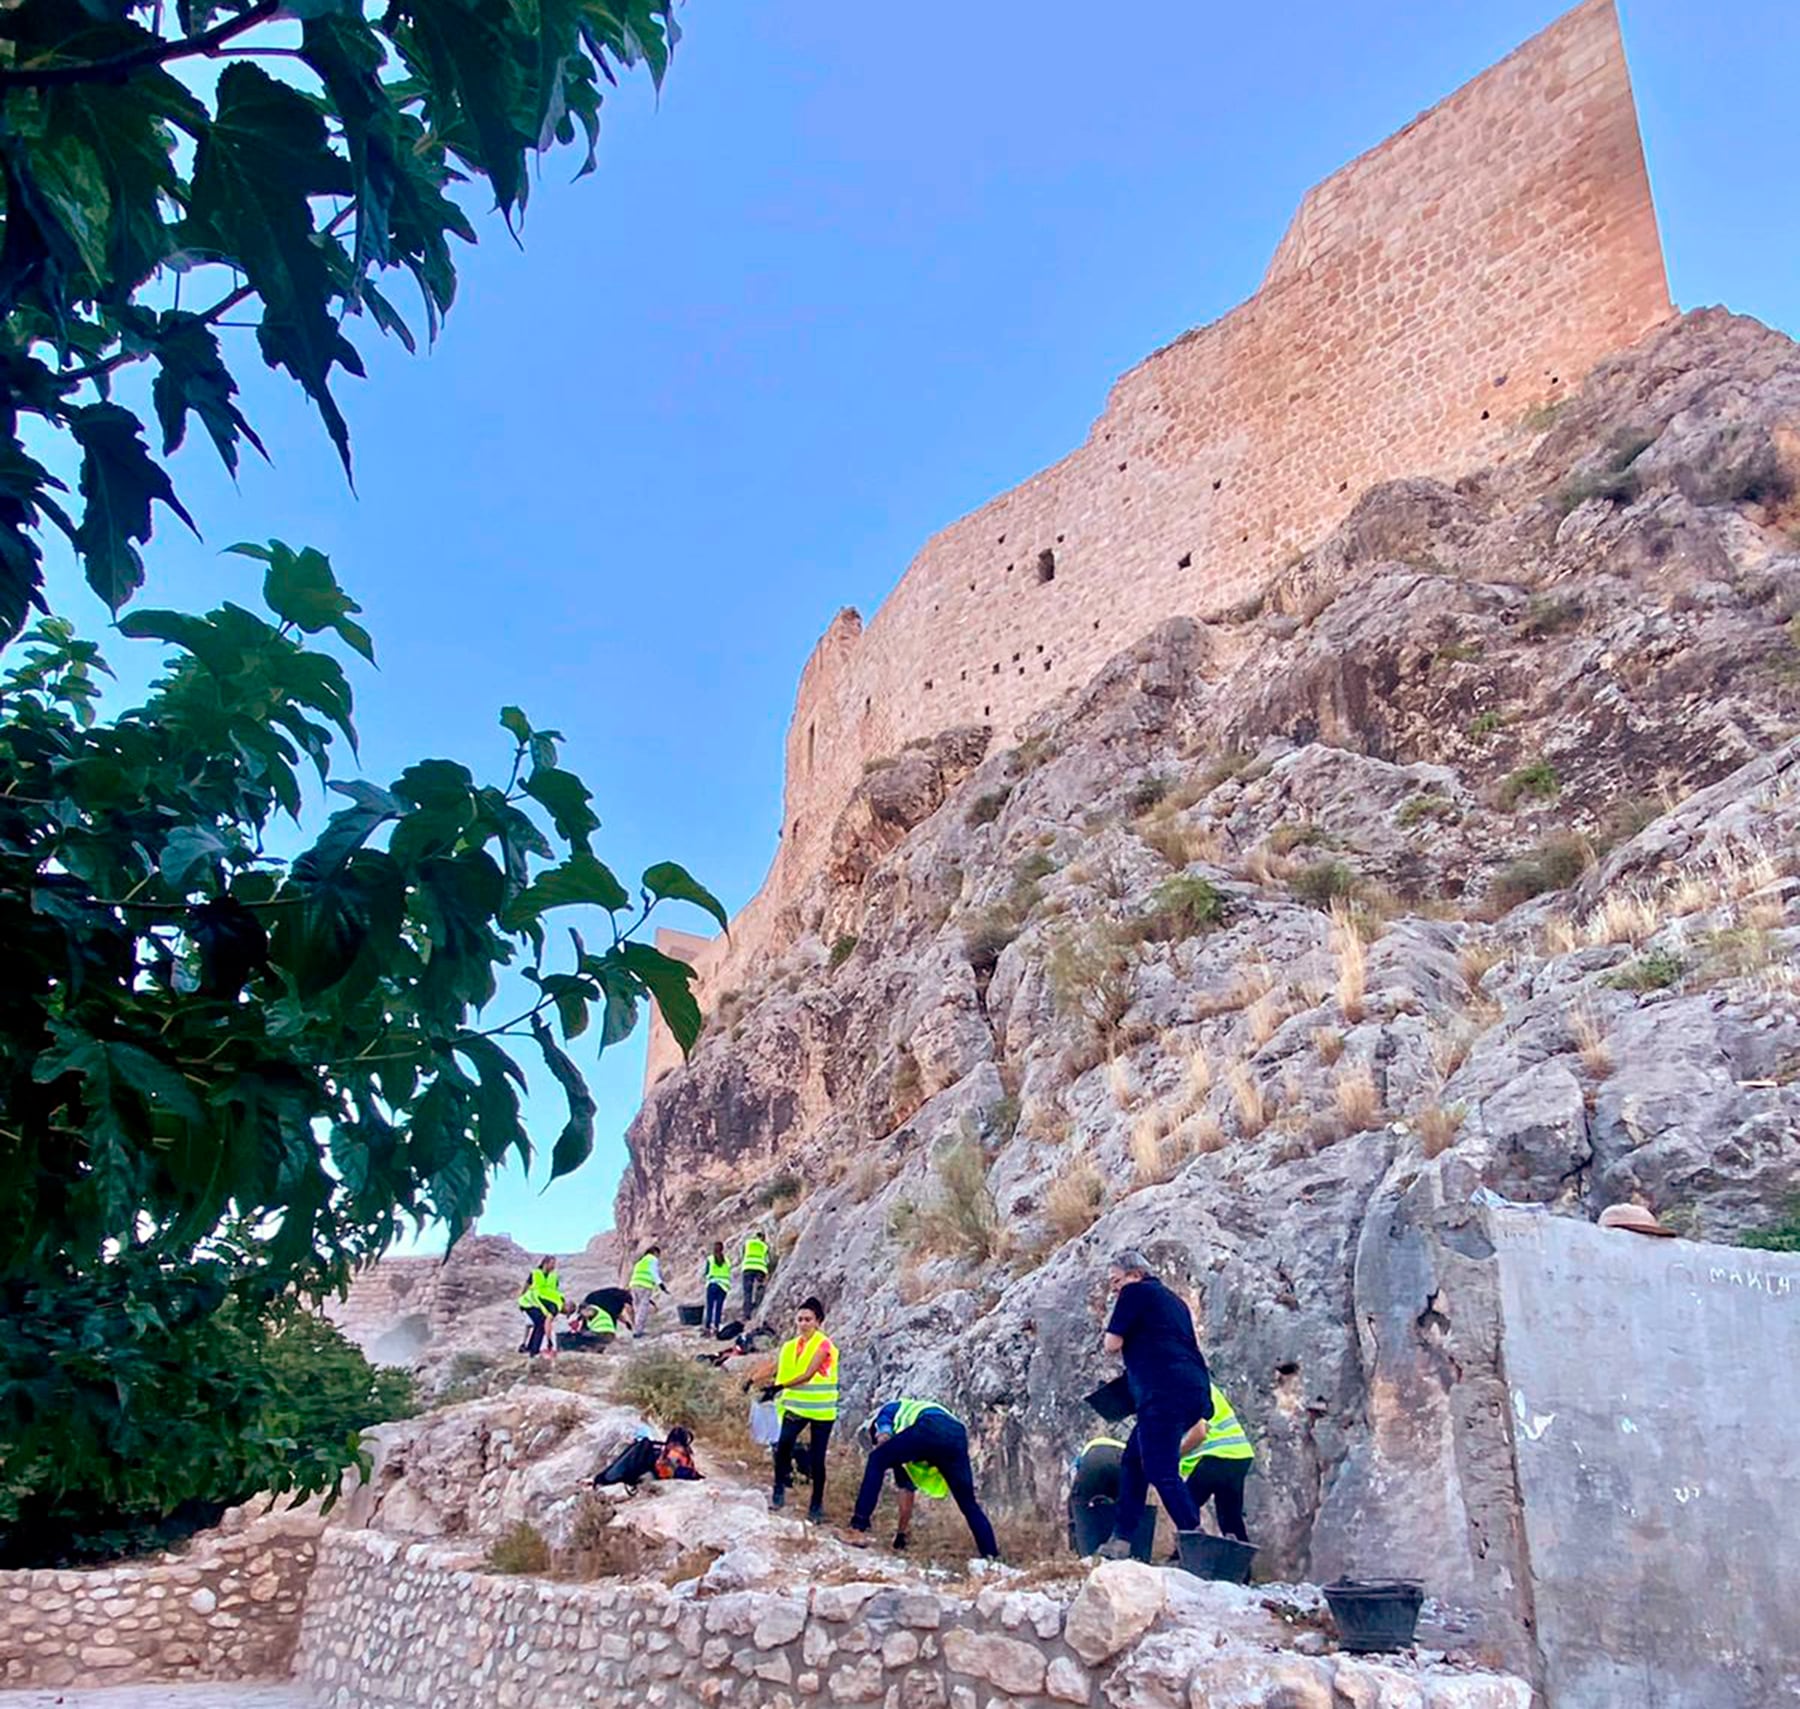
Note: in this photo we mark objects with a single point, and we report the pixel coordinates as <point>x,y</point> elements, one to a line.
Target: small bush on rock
<point>986,807</point>
<point>671,1388</point>
<point>1554,864</point>
<point>1324,882</point>
<point>519,1549</point>
<point>1537,781</point>
<point>960,1219</point>
<point>1181,907</point>
<point>842,950</point>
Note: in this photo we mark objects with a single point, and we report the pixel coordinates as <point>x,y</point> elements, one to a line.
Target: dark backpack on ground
<point>636,1463</point>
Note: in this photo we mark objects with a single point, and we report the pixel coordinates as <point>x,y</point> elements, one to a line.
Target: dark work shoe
<point>777,1499</point>
<point>816,1514</point>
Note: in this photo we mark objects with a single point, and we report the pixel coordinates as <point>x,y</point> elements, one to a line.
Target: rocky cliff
<point>1461,860</point>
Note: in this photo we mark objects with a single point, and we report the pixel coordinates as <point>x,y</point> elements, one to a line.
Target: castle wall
<point>1424,299</point>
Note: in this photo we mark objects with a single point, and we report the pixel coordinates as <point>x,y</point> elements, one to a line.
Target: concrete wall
<point>229,1608</point>
<point>1476,264</point>
<point>1655,1390</point>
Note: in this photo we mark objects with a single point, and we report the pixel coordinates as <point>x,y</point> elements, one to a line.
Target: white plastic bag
<point>765,1423</point>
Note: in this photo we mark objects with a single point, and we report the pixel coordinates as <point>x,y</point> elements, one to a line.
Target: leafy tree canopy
<point>166,166</point>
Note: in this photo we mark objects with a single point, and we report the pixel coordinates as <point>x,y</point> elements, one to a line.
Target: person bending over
<point>926,1448</point>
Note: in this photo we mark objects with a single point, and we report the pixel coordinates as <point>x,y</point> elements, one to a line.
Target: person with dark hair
<point>717,1270</point>
<point>1154,1331</point>
<point>926,1448</point>
<point>540,1301</point>
<point>805,1393</point>
<point>615,1303</point>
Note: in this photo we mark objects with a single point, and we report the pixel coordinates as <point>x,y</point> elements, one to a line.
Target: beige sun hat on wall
<point>1635,1218</point>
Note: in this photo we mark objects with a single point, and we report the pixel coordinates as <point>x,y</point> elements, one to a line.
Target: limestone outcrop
<point>1533,737</point>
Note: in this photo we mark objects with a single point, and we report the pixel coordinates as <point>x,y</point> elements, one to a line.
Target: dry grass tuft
<point>1122,1082</point>
<point>1737,872</point>
<point>1624,916</point>
<point>1329,1043</point>
<point>1474,960</point>
<point>1073,1203</point>
<point>1147,1160</point>
<point>1352,964</point>
<point>1354,1093</point>
<point>1264,1017</point>
<point>1201,1135</point>
<point>1560,936</point>
<point>1179,843</point>
<point>1438,1125</point>
<point>1262,865</point>
<point>1199,1076</point>
<point>1450,1047</point>
<point>1589,1034</point>
<point>1247,1099</point>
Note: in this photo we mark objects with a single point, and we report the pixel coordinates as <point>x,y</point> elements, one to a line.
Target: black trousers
<point>534,1342</point>
<point>791,1427</point>
<point>1153,1457</point>
<point>755,1281</point>
<point>1222,1483</point>
<point>939,1441</point>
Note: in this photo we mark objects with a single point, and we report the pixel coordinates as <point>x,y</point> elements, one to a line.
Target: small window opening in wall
<point>1343,486</point>
<point>987,711</point>
<point>1015,658</point>
<point>996,667</point>
<point>1001,541</point>
<point>928,685</point>
<point>812,733</point>
<point>1009,569</point>
<point>1046,564</point>
<point>1484,415</point>
<point>971,587</point>
<point>868,703</point>
<point>1021,670</point>
<point>964,677</point>
<point>1040,646</point>
<point>1059,539</point>
<point>1185,561</point>
<point>1217,485</point>
<point>1121,468</point>
<point>1096,622</point>
<point>1046,664</point>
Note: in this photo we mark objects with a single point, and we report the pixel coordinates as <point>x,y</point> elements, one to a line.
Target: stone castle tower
<point>1425,298</point>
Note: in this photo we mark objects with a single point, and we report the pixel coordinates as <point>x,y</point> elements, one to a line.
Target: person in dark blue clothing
<point>925,1447</point>
<point>1154,1331</point>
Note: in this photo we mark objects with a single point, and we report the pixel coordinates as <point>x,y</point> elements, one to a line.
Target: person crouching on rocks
<point>926,1447</point>
<point>1154,1331</point>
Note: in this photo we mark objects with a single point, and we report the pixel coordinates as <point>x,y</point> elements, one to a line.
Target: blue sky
<point>852,276</point>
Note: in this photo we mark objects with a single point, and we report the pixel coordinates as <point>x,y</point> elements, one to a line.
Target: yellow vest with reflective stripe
<point>601,1322</point>
<point>817,1398</point>
<point>644,1276</point>
<point>756,1256</point>
<point>718,1270</point>
<point>927,1480</point>
<point>541,1293</point>
<point>1225,1438</point>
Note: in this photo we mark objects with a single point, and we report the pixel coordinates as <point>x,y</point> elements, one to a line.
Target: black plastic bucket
<point>1375,1614</point>
<point>1222,1558</point>
<point>1094,1524</point>
<point>692,1316</point>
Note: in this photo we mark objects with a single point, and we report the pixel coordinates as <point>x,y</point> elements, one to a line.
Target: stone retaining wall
<point>227,1609</point>
<point>391,1625</point>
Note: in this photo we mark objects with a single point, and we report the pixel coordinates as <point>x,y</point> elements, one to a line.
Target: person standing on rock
<point>541,1300</point>
<point>1154,1331</point>
<point>805,1393</point>
<point>926,1447</point>
<point>646,1283</point>
<point>756,1273</point>
<point>718,1287</point>
<point>1216,1461</point>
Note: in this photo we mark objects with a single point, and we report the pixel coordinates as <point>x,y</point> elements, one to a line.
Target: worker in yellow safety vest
<point>926,1448</point>
<point>646,1283</point>
<point>540,1300</point>
<point>718,1288</point>
<point>805,1393</point>
<point>1216,1468</point>
<point>756,1273</point>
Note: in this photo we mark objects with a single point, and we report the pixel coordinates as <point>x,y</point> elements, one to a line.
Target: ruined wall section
<point>1425,298</point>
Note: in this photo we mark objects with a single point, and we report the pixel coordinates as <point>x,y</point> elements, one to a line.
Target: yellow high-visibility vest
<point>601,1323</point>
<point>542,1292</point>
<point>817,1398</point>
<point>719,1270</point>
<point>756,1256</point>
<point>1225,1438</point>
<point>645,1274</point>
<point>927,1480</point>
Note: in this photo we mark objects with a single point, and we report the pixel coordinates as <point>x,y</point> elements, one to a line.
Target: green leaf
<point>346,915</point>
<point>349,828</point>
<point>581,880</point>
<point>621,992</point>
<point>566,797</point>
<point>191,376</point>
<point>668,882</point>
<point>515,723</point>
<point>670,982</point>
<point>264,158</point>
<point>119,484</point>
<point>299,588</point>
<point>571,994</point>
<point>576,1141</point>
<point>188,848</point>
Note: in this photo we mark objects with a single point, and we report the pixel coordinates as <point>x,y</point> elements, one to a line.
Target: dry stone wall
<point>390,1625</point>
<point>227,1609</point>
<point>1425,299</point>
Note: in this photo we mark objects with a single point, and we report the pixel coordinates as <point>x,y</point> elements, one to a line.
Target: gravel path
<point>274,1694</point>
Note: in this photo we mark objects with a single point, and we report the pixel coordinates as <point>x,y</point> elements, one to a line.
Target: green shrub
<point>1179,908</point>
<point>987,934</point>
<point>1554,864</point>
<point>1782,1236</point>
<point>1419,808</point>
<point>1040,863</point>
<point>1547,615</point>
<point>786,1185</point>
<point>1324,882</point>
<point>1650,972</point>
<point>1090,979</point>
<point>1031,753</point>
<point>1301,834</point>
<point>960,1219</point>
<point>1484,724</point>
<point>1537,781</point>
<point>519,1549</point>
<point>842,950</point>
<point>1148,791</point>
<point>1459,652</point>
<point>666,1384</point>
<point>1614,480</point>
<point>1003,1116</point>
<point>1540,418</point>
<point>985,808</point>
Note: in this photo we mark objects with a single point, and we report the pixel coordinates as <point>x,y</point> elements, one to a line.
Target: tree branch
<point>122,65</point>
